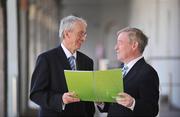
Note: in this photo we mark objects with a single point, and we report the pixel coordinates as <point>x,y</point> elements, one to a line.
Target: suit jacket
<point>142,83</point>
<point>48,84</point>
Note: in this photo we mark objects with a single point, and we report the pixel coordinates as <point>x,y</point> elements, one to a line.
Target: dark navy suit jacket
<point>48,84</point>
<point>142,83</point>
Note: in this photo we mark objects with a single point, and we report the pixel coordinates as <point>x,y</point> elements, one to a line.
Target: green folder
<point>100,86</point>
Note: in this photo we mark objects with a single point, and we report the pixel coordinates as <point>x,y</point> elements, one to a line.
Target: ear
<point>135,45</point>
<point>66,35</point>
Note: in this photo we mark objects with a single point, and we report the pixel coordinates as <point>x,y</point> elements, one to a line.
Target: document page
<point>101,86</point>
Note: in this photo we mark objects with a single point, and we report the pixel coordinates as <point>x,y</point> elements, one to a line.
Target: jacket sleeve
<point>40,93</point>
<point>149,95</point>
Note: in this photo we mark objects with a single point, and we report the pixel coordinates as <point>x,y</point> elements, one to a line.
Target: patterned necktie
<point>124,70</point>
<point>71,60</point>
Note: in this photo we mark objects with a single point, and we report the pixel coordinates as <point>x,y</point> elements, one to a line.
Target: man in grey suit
<point>48,85</point>
<point>141,81</point>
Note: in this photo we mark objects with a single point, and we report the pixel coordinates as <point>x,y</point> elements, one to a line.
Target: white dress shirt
<point>69,54</point>
<point>130,65</point>
<point>132,62</point>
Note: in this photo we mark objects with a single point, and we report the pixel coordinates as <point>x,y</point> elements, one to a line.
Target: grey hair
<point>136,35</point>
<point>68,22</point>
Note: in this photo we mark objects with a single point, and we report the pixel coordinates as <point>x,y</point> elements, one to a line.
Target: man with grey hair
<point>48,85</point>
<point>141,81</point>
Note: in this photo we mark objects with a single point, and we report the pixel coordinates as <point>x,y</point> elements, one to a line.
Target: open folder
<point>100,86</point>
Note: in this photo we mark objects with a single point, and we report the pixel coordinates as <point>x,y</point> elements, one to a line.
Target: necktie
<point>71,60</point>
<point>124,70</point>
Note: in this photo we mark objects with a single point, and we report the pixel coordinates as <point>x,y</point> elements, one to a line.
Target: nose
<point>83,38</point>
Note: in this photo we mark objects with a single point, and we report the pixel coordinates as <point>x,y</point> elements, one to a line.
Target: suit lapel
<point>133,71</point>
<point>62,57</point>
<point>79,61</point>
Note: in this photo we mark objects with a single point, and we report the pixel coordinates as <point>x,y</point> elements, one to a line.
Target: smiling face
<point>75,37</point>
<point>125,49</point>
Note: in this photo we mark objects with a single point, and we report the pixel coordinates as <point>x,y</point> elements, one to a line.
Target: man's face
<point>123,47</point>
<point>77,36</point>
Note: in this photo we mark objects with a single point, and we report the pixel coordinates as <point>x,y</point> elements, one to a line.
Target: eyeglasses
<point>82,34</point>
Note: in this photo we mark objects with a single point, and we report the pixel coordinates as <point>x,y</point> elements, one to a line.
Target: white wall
<point>2,62</point>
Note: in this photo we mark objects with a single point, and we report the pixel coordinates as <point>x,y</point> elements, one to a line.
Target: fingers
<point>98,103</point>
<point>124,99</point>
<point>123,95</point>
<point>70,97</point>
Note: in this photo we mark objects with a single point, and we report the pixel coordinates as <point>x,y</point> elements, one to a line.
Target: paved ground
<point>168,111</point>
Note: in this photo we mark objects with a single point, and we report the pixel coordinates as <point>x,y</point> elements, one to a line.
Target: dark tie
<point>124,70</point>
<point>72,63</point>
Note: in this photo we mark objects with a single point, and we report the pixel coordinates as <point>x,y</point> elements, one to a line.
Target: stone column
<point>1,64</point>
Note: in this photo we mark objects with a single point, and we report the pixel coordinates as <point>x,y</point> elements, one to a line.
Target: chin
<point>119,58</point>
<point>78,47</point>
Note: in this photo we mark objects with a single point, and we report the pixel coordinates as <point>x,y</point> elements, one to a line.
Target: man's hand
<point>69,97</point>
<point>124,99</point>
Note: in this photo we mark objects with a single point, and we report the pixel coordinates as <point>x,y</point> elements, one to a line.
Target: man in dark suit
<point>141,81</point>
<point>48,85</point>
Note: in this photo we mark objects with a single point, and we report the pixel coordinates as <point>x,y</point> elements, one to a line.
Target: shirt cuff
<point>63,106</point>
<point>133,105</point>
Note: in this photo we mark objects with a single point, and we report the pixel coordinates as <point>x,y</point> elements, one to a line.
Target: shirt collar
<point>132,62</point>
<point>67,52</point>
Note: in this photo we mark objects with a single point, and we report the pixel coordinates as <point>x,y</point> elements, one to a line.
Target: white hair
<point>68,22</point>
